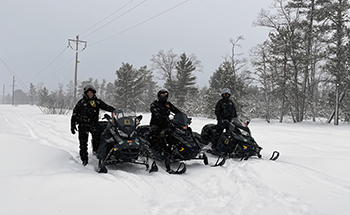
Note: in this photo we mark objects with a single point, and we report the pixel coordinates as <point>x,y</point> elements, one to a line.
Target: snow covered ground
<point>41,173</point>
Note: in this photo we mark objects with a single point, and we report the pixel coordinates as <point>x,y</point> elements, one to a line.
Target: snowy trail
<point>41,171</point>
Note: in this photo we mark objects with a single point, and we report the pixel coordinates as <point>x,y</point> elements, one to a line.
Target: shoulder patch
<point>93,103</point>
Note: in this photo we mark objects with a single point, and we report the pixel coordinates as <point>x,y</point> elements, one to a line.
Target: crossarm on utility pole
<point>76,41</point>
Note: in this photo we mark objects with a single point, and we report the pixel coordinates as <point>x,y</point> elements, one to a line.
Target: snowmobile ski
<point>180,169</point>
<point>154,167</point>
<point>102,169</point>
<point>221,163</point>
<point>102,164</point>
<point>205,159</point>
<point>275,155</point>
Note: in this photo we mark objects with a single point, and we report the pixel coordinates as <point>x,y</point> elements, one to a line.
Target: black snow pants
<point>84,130</point>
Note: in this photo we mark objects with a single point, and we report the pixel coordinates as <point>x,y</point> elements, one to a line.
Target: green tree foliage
<point>233,75</point>
<point>32,94</point>
<point>336,19</point>
<point>186,80</point>
<point>134,88</point>
<point>149,90</point>
<point>127,84</point>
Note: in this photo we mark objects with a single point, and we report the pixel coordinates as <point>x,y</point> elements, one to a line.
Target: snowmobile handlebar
<point>108,117</point>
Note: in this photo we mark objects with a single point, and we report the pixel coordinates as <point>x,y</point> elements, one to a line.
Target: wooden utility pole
<point>76,41</point>
<point>13,91</point>
<point>3,94</point>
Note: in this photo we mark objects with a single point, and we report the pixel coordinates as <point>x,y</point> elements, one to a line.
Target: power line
<point>140,23</point>
<point>14,74</point>
<point>116,18</point>
<point>159,14</point>
<point>51,62</point>
<point>59,69</point>
<point>81,33</point>
<point>106,17</point>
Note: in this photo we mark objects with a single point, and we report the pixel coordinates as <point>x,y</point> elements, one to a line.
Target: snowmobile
<point>234,142</point>
<point>120,142</point>
<point>175,144</point>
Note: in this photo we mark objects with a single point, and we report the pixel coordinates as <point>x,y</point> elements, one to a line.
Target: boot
<point>85,162</point>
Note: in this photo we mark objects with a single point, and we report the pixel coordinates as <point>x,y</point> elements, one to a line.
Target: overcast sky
<point>34,35</point>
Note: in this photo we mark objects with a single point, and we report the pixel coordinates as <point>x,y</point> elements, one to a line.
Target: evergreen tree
<point>224,77</point>
<point>335,15</point>
<point>32,94</point>
<point>129,87</point>
<point>69,93</point>
<point>185,84</point>
<point>21,97</point>
<point>110,93</point>
<point>310,28</point>
<point>287,57</point>
<point>102,93</point>
<point>149,90</point>
<point>211,96</point>
<point>44,97</point>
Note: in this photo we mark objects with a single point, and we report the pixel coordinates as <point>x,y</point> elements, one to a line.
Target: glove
<point>164,118</point>
<point>220,122</point>
<point>73,128</point>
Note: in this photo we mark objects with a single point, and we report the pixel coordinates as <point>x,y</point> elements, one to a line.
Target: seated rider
<point>160,110</point>
<point>224,110</point>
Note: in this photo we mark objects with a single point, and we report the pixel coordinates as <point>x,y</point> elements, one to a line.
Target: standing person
<point>224,110</point>
<point>160,110</point>
<point>85,115</point>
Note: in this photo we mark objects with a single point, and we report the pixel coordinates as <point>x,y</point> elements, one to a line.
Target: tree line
<point>300,72</point>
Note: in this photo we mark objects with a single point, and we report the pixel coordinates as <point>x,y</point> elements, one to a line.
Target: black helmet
<point>163,91</point>
<point>225,93</point>
<point>89,87</point>
<point>160,98</point>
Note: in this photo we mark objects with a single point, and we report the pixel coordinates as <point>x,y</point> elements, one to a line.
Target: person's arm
<point>218,112</point>
<point>105,106</point>
<point>74,118</point>
<point>155,111</point>
<point>174,109</point>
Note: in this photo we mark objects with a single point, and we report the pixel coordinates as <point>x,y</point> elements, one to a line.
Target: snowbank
<point>41,173</point>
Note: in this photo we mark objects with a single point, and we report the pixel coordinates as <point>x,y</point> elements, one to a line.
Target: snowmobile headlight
<point>122,133</point>
<point>243,132</point>
<point>180,131</point>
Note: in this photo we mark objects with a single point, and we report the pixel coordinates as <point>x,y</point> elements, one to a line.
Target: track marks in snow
<point>255,194</point>
<point>319,180</point>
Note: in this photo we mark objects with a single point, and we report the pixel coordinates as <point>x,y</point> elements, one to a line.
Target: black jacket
<point>86,111</point>
<point>160,113</point>
<point>225,109</point>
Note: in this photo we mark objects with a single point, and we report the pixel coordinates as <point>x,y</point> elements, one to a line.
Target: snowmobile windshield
<point>243,129</point>
<point>126,113</point>
<point>181,119</point>
<point>126,122</point>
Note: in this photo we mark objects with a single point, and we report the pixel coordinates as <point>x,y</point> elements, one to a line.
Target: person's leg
<point>83,143</point>
<point>95,131</point>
